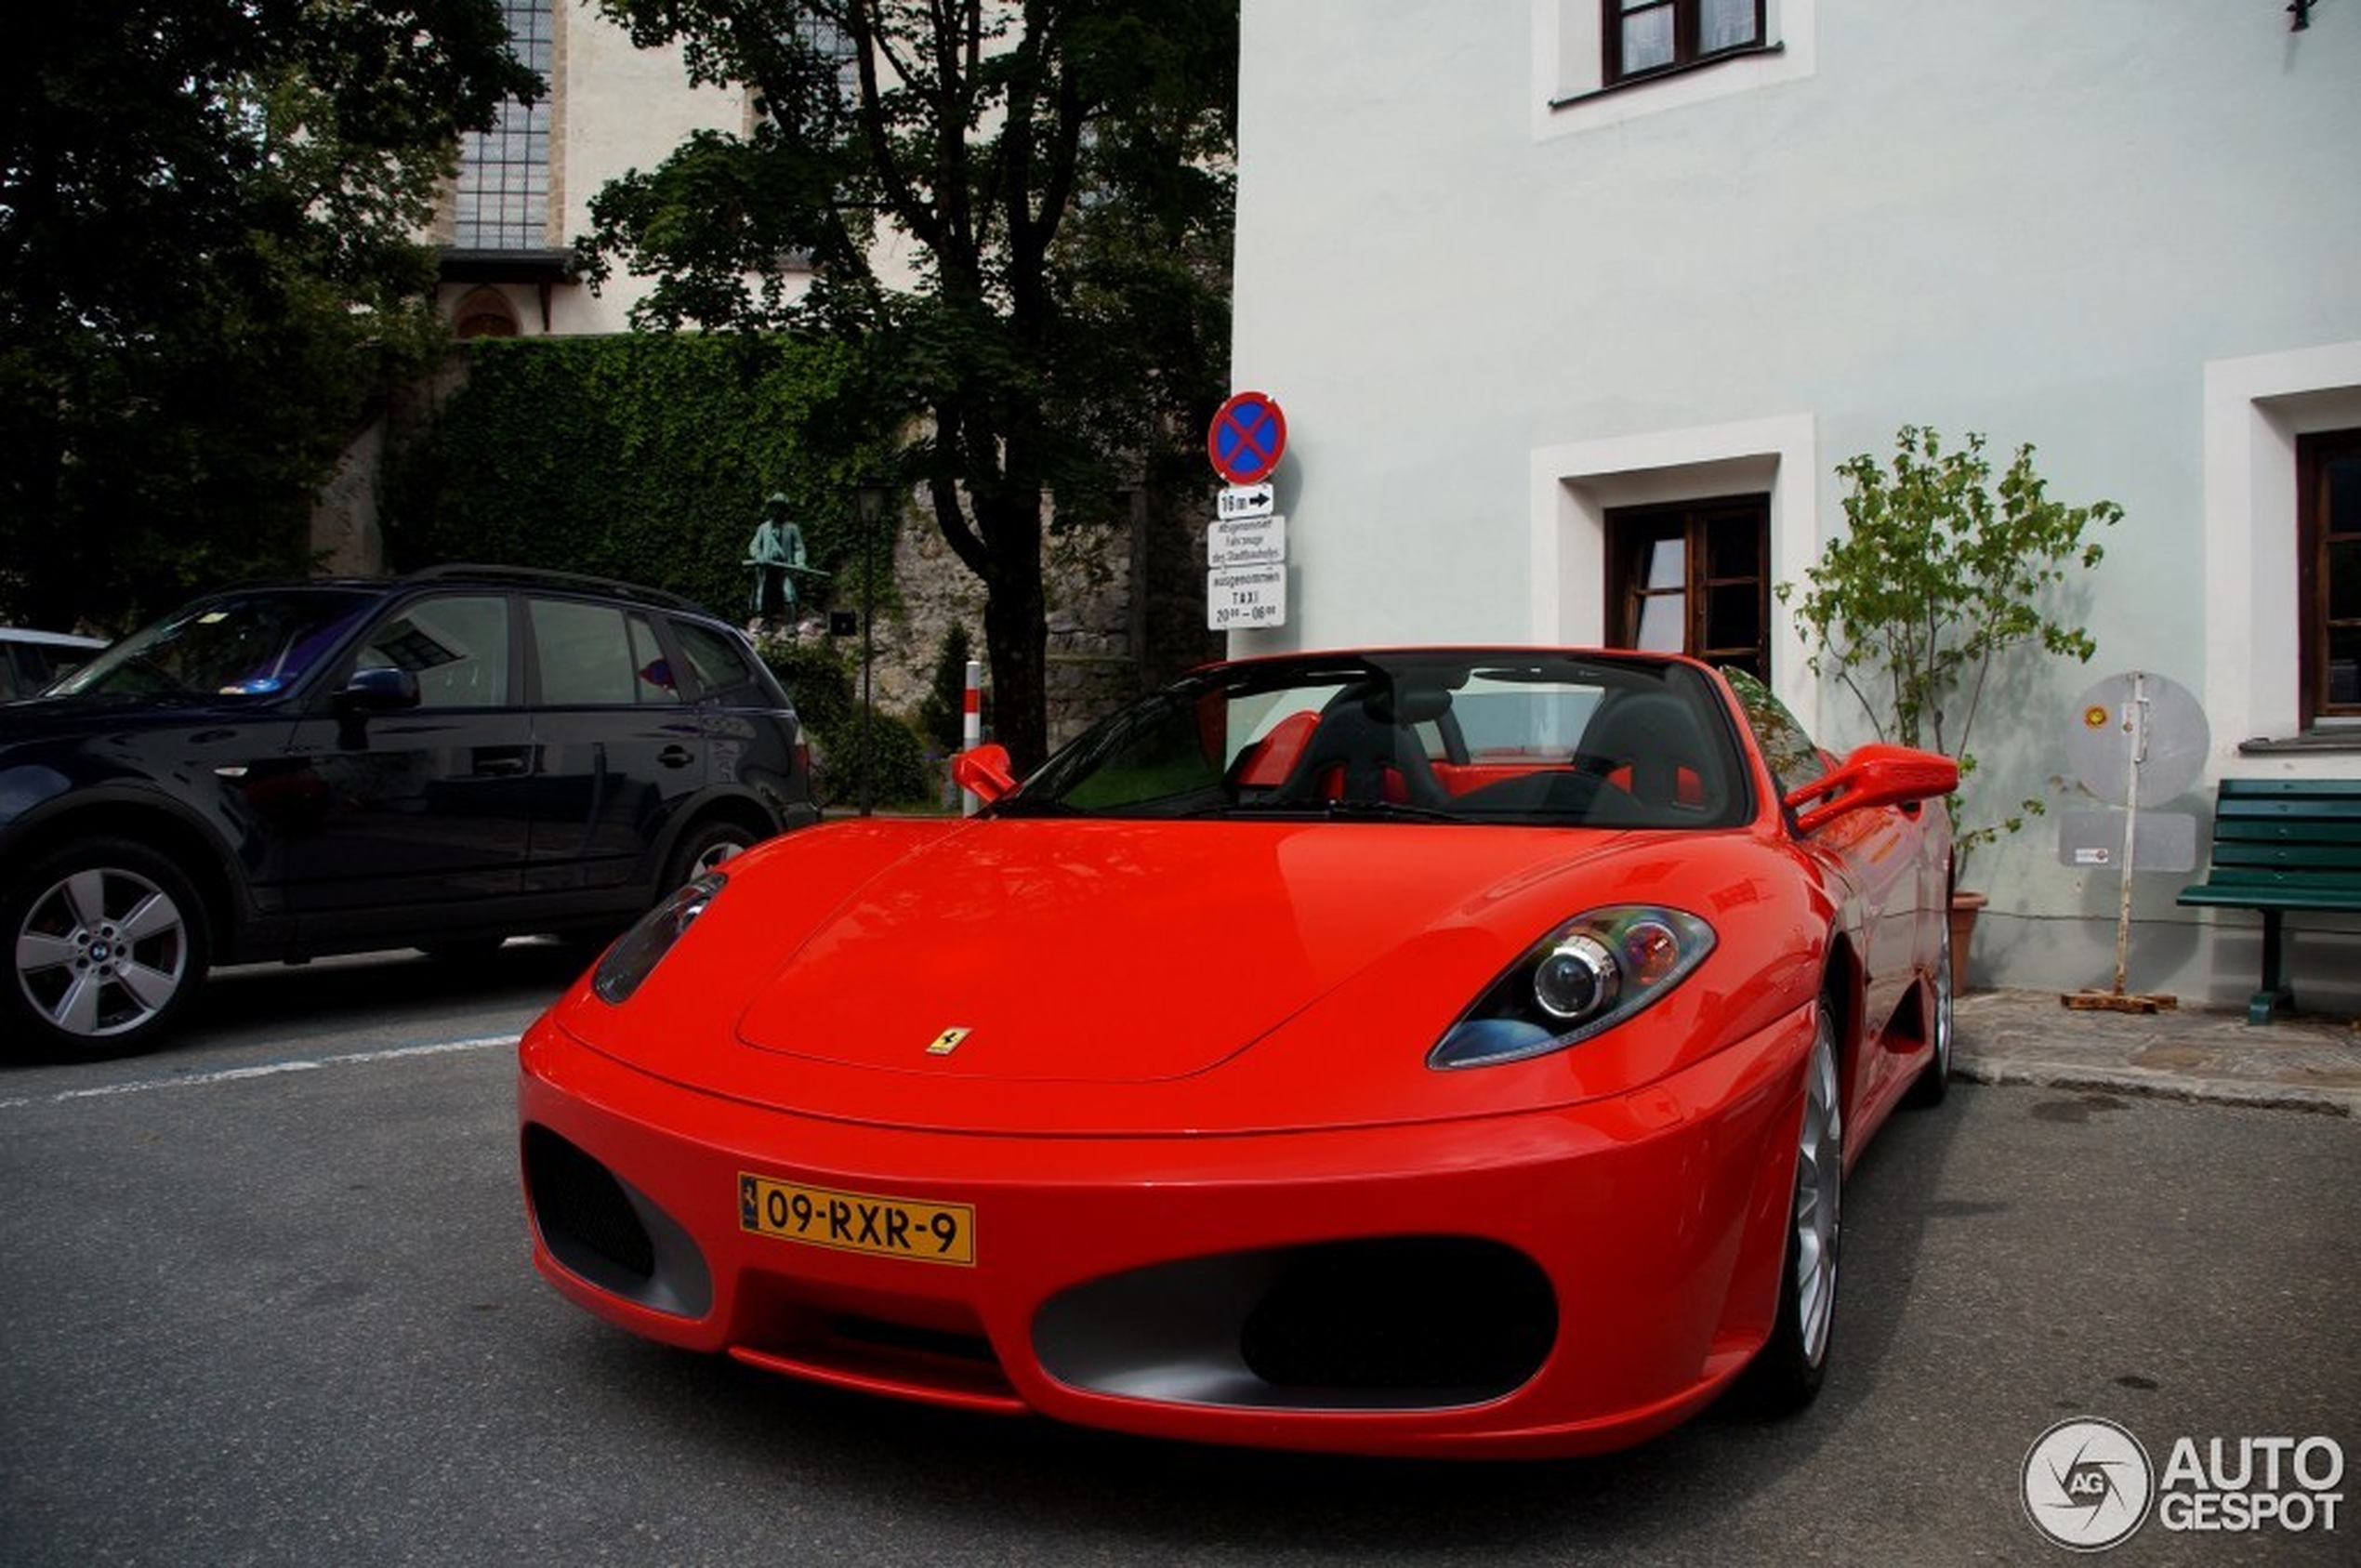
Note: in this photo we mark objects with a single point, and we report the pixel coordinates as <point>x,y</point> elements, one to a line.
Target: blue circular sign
<point>1246,438</point>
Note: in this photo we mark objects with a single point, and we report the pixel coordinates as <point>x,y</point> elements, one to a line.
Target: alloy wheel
<point>101,952</point>
<point>1819,1190</point>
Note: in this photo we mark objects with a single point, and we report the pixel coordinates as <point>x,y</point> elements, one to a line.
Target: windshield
<point>1526,737</point>
<point>251,644</point>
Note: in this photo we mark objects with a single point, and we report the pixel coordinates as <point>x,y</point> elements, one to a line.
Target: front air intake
<point>1403,1313</point>
<point>584,1215</point>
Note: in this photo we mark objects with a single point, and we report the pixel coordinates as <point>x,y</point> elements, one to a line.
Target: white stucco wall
<point>620,108</point>
<point>2120,231</point>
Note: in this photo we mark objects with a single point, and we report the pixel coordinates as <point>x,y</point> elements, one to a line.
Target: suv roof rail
<point>557,579</point>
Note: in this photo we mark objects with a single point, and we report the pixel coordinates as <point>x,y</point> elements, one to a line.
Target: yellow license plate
<point>882,1227</point>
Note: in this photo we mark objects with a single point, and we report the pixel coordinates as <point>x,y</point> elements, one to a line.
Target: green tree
<point>1943,571</point>
<point>209,264</point>
<point>1058,172</point>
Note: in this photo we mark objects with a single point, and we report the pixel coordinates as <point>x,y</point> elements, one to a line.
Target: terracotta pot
<point>1964,909</point>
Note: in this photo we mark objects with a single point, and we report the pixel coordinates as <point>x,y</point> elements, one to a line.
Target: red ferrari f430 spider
<point>1425,1051</point>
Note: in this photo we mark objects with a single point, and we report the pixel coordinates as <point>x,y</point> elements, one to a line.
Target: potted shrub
<point>1944,572</point>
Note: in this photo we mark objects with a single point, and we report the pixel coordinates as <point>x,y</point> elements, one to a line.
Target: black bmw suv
<point>440,760</point>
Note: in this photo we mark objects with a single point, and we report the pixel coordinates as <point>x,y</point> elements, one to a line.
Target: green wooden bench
<point>2283,844</point>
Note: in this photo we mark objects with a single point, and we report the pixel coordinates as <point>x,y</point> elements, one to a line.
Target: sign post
<point>1246,547</point>
<point>2140,741</point>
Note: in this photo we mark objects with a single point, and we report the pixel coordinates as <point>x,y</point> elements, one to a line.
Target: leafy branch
<point>1942,571</point>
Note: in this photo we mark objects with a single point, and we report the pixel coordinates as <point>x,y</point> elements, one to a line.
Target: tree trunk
<point>1016,630</point>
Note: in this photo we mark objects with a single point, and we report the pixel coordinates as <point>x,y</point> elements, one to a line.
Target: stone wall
<point>1126,612</point>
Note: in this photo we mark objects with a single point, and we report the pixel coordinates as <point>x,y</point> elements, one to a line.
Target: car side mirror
<point>379,691</point>
<point>1874,775</point>
<point>984,772</point>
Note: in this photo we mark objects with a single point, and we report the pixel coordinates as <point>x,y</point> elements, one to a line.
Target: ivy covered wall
<point>647,458</point>
<point>643,457</point>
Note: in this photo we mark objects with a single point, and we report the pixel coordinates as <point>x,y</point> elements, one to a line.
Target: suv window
<point>657,683</point>
<point>594,655</point>
<point>255,643</point>
<point>456,646</point>
<point>719,662</point>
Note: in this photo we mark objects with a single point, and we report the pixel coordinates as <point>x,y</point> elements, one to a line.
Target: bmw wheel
<point>108,941</point>
<point>704,846</point>
<point>1788,1372</point>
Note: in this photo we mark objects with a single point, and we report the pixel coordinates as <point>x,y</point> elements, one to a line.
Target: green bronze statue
<point>776,555</point>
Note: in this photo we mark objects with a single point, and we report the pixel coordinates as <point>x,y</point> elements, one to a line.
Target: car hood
<point>1112,952</point>
<point>1106,978</point>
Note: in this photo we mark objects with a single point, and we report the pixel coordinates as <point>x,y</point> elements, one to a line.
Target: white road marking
<point>267,1070</point>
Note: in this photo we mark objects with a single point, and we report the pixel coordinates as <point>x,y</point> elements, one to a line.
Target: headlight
<point>1584,977</point>
<point>636,954</point>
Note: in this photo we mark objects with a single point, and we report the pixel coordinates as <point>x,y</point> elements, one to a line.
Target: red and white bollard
<point>972,727</point>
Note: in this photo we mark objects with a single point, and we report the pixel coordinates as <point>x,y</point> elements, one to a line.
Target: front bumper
<point>1556,1282</point>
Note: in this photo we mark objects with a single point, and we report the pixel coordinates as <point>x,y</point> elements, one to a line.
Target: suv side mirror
<point>379,691</point>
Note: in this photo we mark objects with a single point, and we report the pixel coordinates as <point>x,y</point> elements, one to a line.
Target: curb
<point>2153,1085</point>
<point>2199,1055</point>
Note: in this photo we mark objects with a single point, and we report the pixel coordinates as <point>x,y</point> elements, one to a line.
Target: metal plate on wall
<point>2093,840</point>
<point>2105,729</point>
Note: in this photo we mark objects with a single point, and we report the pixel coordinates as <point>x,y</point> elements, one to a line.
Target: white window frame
<point>2255,407</point>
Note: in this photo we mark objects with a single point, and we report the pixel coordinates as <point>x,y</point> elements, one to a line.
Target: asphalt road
<point>264,1297</point>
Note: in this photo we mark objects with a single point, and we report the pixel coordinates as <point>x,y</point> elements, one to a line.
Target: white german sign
<point>1253,596</point>
<point>1245,500</point>
<point>1261,541</point>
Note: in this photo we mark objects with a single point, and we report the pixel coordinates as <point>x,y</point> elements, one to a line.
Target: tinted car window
<point>719,662</point>
<point>457,647</point>
<point>254,644</point>
<point>657,683</point>
<point>591,658</point>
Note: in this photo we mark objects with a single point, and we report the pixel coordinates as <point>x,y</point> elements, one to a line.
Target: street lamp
<point>869,502</point>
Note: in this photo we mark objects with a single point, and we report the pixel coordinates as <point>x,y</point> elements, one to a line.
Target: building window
<point>1587,68</point>
<point>2329,562</point>
<point>503,197</point>
<point>1691,578</point>
<point>1644,38</point>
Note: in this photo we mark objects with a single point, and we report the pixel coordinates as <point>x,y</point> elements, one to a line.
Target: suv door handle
<point>676,756</point>
<point>500,763</point>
